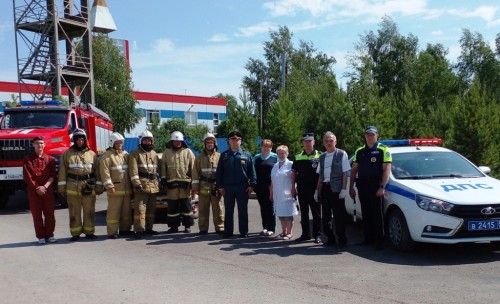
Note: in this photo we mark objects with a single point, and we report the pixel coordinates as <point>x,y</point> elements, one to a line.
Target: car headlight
<point>433,204</point>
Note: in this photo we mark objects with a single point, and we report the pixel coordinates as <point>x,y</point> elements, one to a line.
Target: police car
<point>435,195</point>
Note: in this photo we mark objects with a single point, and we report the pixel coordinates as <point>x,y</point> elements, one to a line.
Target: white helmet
<point>208,135</point>
<point>114,137</point>
<point>177,136</point>
<point>146,134</point>
<point>78,133</point>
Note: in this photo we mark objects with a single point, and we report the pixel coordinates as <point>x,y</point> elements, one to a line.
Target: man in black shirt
<point>304,174</point>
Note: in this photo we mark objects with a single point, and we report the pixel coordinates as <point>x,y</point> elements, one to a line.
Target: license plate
<point>484,225</point>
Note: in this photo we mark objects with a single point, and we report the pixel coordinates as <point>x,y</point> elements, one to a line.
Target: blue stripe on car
<point>400,191</point>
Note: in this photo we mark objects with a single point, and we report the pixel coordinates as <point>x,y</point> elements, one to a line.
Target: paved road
<point>186,268</point>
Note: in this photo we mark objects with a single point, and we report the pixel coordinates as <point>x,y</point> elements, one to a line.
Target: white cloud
<point>291,7</point>
<point>163,45</point>
<point>219,38</point>
<point>256,29</point>
<point>437,33</point>
<point>487,13</point>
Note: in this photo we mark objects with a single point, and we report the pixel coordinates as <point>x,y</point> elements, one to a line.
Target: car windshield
<point>34,120</point>
<point>432,165</point>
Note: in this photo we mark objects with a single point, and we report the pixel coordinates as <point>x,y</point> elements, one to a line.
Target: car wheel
<point>399,234</point>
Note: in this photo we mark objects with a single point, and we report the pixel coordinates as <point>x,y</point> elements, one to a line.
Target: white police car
<point>435,195</point>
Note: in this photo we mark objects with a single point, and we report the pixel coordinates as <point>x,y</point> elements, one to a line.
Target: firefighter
<point>39,173</point>
<point>176,171</point>
<point>143,165</point>
<point>204,185</point>
<point>77,181</point>
<point>113,169</point>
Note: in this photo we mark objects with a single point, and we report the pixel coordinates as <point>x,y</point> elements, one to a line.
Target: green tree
<point>283,126</point>
<point>240,117</point>
<point>113,86</point>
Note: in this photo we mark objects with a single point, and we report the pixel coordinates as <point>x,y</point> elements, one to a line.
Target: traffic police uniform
<point>143,166</point>
<point>205,166</point>
<point>77,179</point>
<point>176,171</point>
<point>368,181</point>
<point>305,166</point>
<point>113,168</point>
<point>36,172</point>
<point>235,173</point>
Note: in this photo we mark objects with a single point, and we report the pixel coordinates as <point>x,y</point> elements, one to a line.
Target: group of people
<point>318,181</point>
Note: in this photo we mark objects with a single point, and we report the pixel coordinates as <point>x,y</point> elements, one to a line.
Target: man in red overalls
<point>39,172</point>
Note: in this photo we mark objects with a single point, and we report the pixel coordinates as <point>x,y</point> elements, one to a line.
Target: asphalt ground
<point>187,268</point>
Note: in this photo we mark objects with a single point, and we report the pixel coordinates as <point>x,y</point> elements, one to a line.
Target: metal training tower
<point>54,49</point>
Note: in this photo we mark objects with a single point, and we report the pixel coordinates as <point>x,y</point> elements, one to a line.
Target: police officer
<point>78,182</point>
<point>205,166</point>
<point>39,173</point>
<point>372,165</point>
<point>304,174</point>
<point>332,189</point>
<point>176,170</point>
<point>113,168</point>
<point>143,165</point>
<point>236,179</point>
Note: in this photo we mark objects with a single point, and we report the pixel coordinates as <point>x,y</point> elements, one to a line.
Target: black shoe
<point>91,236</point>
<point>317,240</point>
<point>173,230</point>
<point>74,238</point>
<point>138,235</point>
<point>203,232</point>
<point>302,238</point>
<point>329,243</point>
<point>126,233</point>
<point>365,242</point>
<point>243,235</point>
<point>220,232</point>
<point>187,230</point>
<point>113,236</point>
<point>151,232</point>
<point>227,235</point>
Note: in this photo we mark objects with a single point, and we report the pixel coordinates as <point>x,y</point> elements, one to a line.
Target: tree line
<point>407,92</point>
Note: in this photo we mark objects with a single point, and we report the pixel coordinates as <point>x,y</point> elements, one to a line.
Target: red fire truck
<point>55,122</point>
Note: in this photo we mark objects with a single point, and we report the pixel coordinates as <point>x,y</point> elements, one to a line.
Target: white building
<point>194,110</point>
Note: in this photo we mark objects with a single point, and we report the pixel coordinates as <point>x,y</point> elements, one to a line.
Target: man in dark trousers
<point>304,174</point>
<point>39,173</point>
<point>372,165</point>
<point>332,190</point>
<point>235,176</point>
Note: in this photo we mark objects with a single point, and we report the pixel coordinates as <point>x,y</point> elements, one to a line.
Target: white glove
<point>316,196</point>
<point>343,193</point>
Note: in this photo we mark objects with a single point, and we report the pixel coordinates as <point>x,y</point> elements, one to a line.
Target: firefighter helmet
<point>177,136</point>
<point>208,135</point>
<point>114,137</point>
<point>78,133</point>
<point>146,134</point>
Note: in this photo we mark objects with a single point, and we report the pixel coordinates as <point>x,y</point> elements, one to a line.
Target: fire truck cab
<point>55,122</point>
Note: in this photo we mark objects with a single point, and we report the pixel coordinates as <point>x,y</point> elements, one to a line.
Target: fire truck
<point>55,122</point>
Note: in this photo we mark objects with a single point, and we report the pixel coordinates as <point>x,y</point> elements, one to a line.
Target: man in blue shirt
<point>235,176</point>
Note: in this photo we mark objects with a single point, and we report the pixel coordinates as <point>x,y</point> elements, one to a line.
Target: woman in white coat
<point>280,192</point>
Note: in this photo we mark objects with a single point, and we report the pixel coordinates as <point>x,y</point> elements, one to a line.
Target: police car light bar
<point>27,103</point>
<point>412,142</point>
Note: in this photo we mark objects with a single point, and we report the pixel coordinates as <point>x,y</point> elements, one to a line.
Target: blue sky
<point>200,47</point>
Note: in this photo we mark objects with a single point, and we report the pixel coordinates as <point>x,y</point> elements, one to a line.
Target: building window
<point>152,116</point>
<point>190,118</point>
<point>216,119</point>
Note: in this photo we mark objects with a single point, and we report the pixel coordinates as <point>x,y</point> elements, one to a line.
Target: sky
<point>200,47</point>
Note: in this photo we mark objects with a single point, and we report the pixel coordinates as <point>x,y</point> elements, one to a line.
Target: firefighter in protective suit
<point>78,180</point>
<point>113,169</point>
<point>204,169</point>
<point>143,165</point>
<point>176,170</point>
